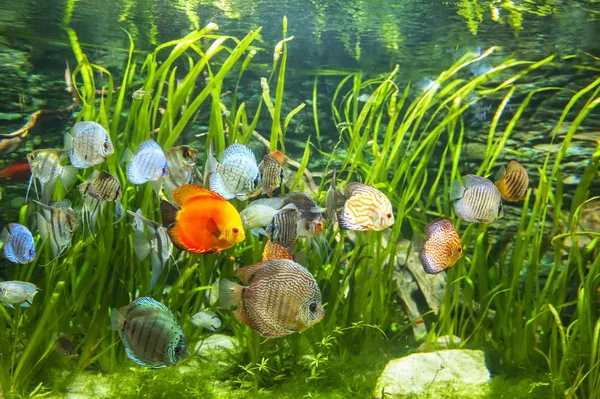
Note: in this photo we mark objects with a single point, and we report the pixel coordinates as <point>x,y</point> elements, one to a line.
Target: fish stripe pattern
<point>365,209</point>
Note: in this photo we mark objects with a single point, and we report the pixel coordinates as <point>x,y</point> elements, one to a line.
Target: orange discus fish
<point>204,223</point>
<point>274,251</point>
<point>512,181</point>
<point>441,249</point>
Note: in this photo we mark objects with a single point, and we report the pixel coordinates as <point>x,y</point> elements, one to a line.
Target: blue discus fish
<point>236,176</point>
<point>17,293</point>
<point>18,244</point>
<point>148,164</point>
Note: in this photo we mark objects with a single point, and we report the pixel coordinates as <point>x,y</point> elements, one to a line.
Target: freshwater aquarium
<point>299,199</point>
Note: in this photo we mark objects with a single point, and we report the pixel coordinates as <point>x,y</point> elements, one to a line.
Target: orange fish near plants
<point>441,249</point>
<point>512,181</point>
<point>274,251</point>
<point>204,223</point>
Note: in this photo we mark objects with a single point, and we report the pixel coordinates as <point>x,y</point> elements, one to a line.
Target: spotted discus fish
<point>477,200</point>
<point>89,145</point>
<point>274,251</point>
<point>57,223</point>
<point>150,333</point>
<point>366,208</point>
<point>512,181</point>
<point>236,176</point>
<point>17,293</point>
<point>259,213</point>
<point>281,297</point>
<point>283,229</point>
<point>441,248</point>
<point>182,167</point>
<point>18,244</point>
<point>46,168</point>
<point>148,164</point>
<point>271,171</point>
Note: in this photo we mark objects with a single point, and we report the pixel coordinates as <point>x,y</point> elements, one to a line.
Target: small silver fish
<point>159,246</point>
<point>477,200</point>
<point>182,167</point>
<point>237,175</point>
<point>258,215</point>
<point>150,333</point>
<point>208,320</point>
<point>46,168</point>
<point>89,145</point>
<point>283,229</point>
<point>57,223</point>
<point>17,293</point>
<point>148,164</point>
<point>18,244</point>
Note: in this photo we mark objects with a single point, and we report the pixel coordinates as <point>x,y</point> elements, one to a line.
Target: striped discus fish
<point>17,293</point>
<point>477,200</point>
<point>283,229</point>
<point>237,176</point>
<point>57,223</point>
<point>281,298</point>
<point>259,213</point>
<point>46,168</point>
<point>366,208</point>
<point>271,171</point>
<point>512,181</point>
<point>150,333</point>
<point>89,144</point>
<point>274,251</point>
<point>18,244</point>
<point>441,248</point>
<point>182,166</point>
<point>148,164</point>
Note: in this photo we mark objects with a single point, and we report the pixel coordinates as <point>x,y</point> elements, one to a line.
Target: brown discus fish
<point>512,181</point>
<point>281,298</point>
<point>274,251</point>
<point>103,186</point>
<point>150,333</point>
<point>271,169</point>
<point>441,249</point>
<point>283,229</point>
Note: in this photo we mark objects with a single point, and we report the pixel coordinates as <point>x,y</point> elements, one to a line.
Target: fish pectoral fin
<point>212,227</point>
<point>457,191</point>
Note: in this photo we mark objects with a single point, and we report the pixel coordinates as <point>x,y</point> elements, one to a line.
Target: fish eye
<point>235,230</point>
<point>178,350</point>
<point>459,249</point>
<point>312,307</point>
<point>389,215</point>
<point>30,252</point>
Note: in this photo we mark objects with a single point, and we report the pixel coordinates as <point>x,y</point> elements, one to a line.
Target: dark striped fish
<point>512,181</point>
<point>148,164</point>
<point>150,333</point>
<point>89,144</point>
<point>477,200</point>
<point>366,208</point>
<point>18,244</point>
<point>281,298</point>
<point>57,223</point>
<point>271,170</point>
<point>441,248</point>
<point>274,251</point>
<point>283,229</point>
<point>259,213</point>
<point>310,223</point>
<point>158,246</point>
<point>46,168</point>
<point>102,186</point>
<point>181,162</point>
<point>17,293</point>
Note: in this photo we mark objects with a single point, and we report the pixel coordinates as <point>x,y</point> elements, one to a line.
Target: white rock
<point>461,373</point>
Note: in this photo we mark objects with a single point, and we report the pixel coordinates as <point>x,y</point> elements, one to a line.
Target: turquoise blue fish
<point>148,164</point>
<point>17,293</point>
<point>18,244</point>
<point>150,333</point>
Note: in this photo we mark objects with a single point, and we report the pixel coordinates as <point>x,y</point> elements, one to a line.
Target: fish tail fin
<point>457,191</point>
<point>418,243</point>
<point>230,293</point>
<point>211,165</point>
<point>500,174</point>
<point>42,226</point>
<point>68,174</point>
<point>141,245</point>
<point>4,235</point>
<point>168,212</point>
<point>68,143</point>
<point>116,320</point>
<point>157,268</point>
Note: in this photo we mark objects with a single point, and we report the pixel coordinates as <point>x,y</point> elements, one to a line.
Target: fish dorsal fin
<point>187,191</point>
<point>236,149</point>
<point>501,173</point>
<point>275,203</point>
<point>149,146</point>
<point>265,269</point>
<point>144,303</point>
<point>418,243</point>
<point>64,204</point>
<point>279,157</point>
<point>211,226</point>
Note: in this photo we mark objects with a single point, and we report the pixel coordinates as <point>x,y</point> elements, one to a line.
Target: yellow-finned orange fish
<point>204,223</point>
<point>512,181</point>
<point>274,251</point>
<point>441,248</point>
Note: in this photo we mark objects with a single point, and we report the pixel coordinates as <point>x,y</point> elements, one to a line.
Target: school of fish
<point>279,296</point>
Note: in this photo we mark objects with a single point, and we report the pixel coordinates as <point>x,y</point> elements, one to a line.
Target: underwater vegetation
<point>531,304</point>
